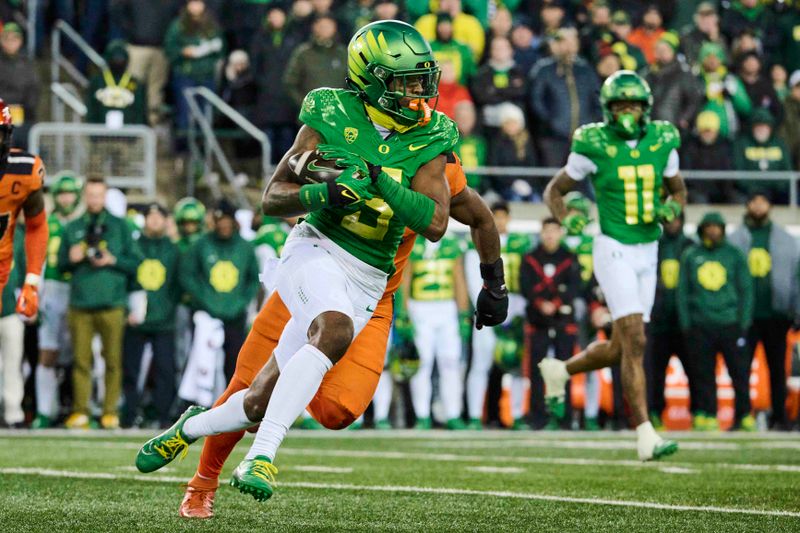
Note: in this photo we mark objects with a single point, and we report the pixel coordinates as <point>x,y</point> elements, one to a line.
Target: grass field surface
<point>57,481</point>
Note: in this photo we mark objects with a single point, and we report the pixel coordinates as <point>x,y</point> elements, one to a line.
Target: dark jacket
<point>241,94</point>
<point>696,155</point>
<point>665,307</point>
<point>763,94</point>
<point>490,86</point>
<point>676,93</point>
<point>554,93</point>
<point>748,154</point>
<point>269,57</point>
<point>790,129</point>
<point>550,277</point>
<point>715,288</point>
<point>692,41</point>
<point>220,275</point>
<point>314,65</point>
<point>95,288</point>
<point>144,22</point>
<point>20,84</point>
<point>158,275</point>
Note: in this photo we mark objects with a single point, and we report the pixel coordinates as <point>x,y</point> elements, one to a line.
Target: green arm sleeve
<point>684,278</point>
<point>414,209</point>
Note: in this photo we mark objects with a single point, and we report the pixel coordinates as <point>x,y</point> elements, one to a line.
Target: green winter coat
<point>210,48</point>
<point>158,275</point>
<point>221,276</point>
<point>93,288</point>
<point>665,309</point>
<point>109,93</point>
<point>17,275</point>
<point>715,288</point>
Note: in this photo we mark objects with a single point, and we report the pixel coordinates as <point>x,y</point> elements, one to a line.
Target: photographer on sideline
<point>100,253</point>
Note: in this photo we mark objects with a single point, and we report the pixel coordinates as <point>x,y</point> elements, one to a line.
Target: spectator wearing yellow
<point>467,29</point>
<point>446,48</point>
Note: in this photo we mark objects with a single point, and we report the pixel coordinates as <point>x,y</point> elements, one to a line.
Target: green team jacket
<point>109,94</point>
<point>17,275</point>
<point>715,288</point>
<point>158,275</point>
<point>221,276</point>
<point>210,48</point>
<point>106,287</point>
<point>665,308</point>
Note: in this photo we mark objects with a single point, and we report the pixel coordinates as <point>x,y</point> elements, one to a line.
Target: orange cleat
<point>197,503</point>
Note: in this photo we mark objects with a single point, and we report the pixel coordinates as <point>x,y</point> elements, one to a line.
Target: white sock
<point>229,416</point>
<point>645,430</point>
<point>483,343</point>
<point>383,396</point>
<point>517,396</point>
<point>46,390</point>
<point>298,383</point>
<point>647,438</point>
<point>421,388</point>
<point>592,395</point>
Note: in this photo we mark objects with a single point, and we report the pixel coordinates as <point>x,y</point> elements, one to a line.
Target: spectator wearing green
<point>12,338</point>
<point>471,147</point>
<point>115,98</point>
<point>790,127</point>
<point>158,276</point>
<point>100,253</point>
<point>757,150</point>
<point>631,55</point>
<point>724,92</point>
<point>446,48</point>
<point>665,338</point>
<point>220,273</point>
<point>788,51</point>
<point>194,47</point>
<point>190,217</point>
<point>772,255</point>
<point>52,331</point>
<point>715,310</point>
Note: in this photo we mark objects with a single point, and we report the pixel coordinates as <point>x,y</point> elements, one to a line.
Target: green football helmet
<point>626,86</point>
<point>576,201</point>
<point>189,209</point>
<point>67,181</point>
<point>384,60</point>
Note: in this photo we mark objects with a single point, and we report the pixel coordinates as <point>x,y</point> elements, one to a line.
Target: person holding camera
<point>100,253</point>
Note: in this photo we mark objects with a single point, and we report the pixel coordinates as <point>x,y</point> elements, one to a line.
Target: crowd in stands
<point>518,77</point>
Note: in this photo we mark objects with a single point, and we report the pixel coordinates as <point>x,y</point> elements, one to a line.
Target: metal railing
<point>202,117</point>
<point>59,63</point>
<point>125,157</point>
<point>30,25</point>
<point>67,96</point>
<point>690,175</point>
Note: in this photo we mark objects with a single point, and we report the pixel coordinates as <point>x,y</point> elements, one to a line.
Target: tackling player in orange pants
<point>349,386</point>
<point>21,182</point>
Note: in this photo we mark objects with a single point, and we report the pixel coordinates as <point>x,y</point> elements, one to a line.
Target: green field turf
<point>415,481</point>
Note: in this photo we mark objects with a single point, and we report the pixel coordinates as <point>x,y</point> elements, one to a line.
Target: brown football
<point>311,167</point>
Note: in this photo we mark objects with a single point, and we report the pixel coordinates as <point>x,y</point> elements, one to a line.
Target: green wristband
<point>314,196</point>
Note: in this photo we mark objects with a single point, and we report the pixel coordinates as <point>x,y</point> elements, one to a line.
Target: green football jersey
<point>516,245</point>
<point>581,246</point>
<point>272,234</point>
<point>56,228</point>
<point>628,181</point>
<point>369,230</point>
<point>432,268</point>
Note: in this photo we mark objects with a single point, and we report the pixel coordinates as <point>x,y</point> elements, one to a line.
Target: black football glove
<point>492,306</point>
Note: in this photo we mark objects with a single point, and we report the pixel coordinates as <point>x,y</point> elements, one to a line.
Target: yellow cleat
<point>77,421</point>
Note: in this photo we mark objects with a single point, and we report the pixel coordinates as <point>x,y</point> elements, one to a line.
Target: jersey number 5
<point>630,176</point>
<point>372,220</point>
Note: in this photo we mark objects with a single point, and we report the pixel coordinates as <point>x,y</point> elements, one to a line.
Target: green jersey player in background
<point>335,264</point>
<point>53,331</point>
<point>629,159</point>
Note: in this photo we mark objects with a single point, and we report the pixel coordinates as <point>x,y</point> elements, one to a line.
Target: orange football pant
<point>343,396</point>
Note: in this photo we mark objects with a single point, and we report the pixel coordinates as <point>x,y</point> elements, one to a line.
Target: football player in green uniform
<point>335,264</point>
<point>437,295</point>
<point>55,298</point>
<point>629,158</point>
<point>485,341</point>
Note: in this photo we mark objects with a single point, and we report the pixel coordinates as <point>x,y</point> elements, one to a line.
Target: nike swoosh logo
<point>655,147</point>
<point>370,309</point>
<point>350,195</point>
<point>413,148</point>
<point>312,167</point>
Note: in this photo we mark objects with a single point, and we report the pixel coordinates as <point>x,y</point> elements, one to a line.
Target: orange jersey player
<point>349,386</point>
<point>21,182</point>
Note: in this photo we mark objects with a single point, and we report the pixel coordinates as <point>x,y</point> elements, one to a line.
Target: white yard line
<point>456,457</point>
<point>605,444</point>
<point>495,469</point>
<point>427,490</point>
<point>321,469</point>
